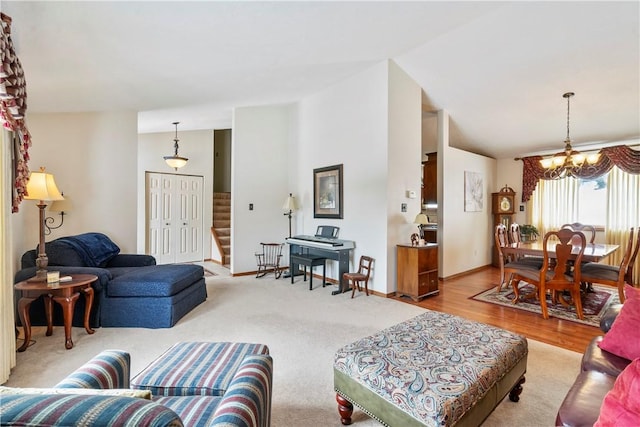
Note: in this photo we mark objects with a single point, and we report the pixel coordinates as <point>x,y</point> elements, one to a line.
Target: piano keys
<point>328,247</point>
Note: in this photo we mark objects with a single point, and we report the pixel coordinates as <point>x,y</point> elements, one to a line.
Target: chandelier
<point>175,161</point>
<point>569,162</point>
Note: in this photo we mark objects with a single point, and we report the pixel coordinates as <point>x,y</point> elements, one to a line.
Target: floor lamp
<point>42,187</point>
<point>289,206</point>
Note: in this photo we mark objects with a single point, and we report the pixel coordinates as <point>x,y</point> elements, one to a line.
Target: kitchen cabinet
<point>430,179</point>
<point>417,271</point>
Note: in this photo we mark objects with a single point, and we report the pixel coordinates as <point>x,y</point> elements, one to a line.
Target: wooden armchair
<point>509,264</point>
<point>557,276</point>
<point>612,275</point>
<point>269,259</point>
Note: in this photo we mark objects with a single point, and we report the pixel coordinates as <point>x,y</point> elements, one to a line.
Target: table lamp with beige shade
<point>421,220</point>
<point>42,187</point>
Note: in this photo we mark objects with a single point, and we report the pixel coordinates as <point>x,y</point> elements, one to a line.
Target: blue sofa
<point>98,394</point>
<point>131,290</point>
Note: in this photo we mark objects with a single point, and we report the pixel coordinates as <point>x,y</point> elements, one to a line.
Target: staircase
<point>221,229</point>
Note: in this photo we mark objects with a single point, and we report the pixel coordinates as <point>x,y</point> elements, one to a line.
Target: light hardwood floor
<point>454,298</point>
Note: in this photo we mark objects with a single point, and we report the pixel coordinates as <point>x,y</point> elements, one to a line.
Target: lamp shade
<point>176,161</point>
<point>61,205</point>
<point>290,204</point>
<point>421,219</point>
<point>42,186</point>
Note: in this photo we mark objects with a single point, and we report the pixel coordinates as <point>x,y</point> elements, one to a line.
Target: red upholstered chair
<point>361,276</point>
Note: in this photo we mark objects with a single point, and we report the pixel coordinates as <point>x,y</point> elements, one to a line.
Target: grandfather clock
<point>502,208</point>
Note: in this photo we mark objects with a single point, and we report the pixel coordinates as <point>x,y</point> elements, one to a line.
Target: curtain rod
<point>633,143</point>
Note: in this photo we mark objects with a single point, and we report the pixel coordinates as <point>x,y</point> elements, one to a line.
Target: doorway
<point>174,217</point>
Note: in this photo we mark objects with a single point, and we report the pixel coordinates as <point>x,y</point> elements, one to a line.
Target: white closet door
<point>174,217</point>
<point>190,219</point>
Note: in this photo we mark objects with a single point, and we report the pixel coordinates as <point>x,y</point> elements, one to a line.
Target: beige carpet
<point>302,329</point>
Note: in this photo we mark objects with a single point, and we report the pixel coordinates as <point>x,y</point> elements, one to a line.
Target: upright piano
<point>328,247</point>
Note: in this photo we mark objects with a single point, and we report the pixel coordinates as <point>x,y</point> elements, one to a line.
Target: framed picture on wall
<point>327,192</point>
<point>473,192</point>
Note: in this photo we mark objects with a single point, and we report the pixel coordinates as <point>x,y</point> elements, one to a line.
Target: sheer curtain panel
<point>7,321</point>
<point>623,212</point>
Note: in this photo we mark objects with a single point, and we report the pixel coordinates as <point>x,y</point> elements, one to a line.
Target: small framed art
<point>327,192</point>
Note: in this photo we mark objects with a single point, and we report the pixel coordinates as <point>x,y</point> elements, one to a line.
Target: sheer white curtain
<point>623,212</point>
<point>7,322</point>
<point>553,203</point>
<point>556,202</point>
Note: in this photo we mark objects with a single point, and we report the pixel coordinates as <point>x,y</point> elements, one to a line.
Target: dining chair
<point>360,276</point>
<point>515,237</point>
<point>634,256</point>
<point>585,228</point>
<point>613,275</point>
<point>560,275</point>
<point>509,263</point>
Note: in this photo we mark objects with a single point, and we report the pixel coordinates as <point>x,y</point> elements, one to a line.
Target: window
<point>592,201</point>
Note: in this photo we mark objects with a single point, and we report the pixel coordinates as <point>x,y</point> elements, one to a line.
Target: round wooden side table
<point>64,293</point>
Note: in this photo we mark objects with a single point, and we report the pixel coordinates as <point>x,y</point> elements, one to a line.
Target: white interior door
<point>174,217</point>
<point>189,247</point>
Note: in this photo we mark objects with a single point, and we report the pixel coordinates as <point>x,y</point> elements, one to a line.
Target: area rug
<point>594,304</point>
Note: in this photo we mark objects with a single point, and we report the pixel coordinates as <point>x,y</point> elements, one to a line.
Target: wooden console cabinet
<point>417,271</point>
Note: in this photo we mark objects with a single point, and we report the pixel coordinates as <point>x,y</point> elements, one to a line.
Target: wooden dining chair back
<point>359,277</point>
<point>565,275</point>
<point>588,230</point>
<point>269,259</point>
<point>509,263</point>
<point>632,261</point>
<point>514,233</point>
<point>612,275</point>
<point>516,237</point>
<point>560,272</point>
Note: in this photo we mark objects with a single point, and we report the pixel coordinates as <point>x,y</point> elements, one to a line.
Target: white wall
<point>197,146</point>
<point>404,164</point>
<point>509,172</point>
<point>347,124</point>
<point>466,237</point>
<point>352,123</point>
<point>93,157</point>
<point>260,141</point>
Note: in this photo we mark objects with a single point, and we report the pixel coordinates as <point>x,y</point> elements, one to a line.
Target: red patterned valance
<point>13,107</point>
<point>621,156</point>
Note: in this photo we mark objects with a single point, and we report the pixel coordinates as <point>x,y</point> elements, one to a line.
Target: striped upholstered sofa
<point>98,394</point>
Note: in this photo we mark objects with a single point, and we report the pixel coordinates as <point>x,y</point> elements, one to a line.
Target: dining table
<point>593,252</point>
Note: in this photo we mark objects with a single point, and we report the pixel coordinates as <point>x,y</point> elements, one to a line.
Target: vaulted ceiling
<point>498,68</point>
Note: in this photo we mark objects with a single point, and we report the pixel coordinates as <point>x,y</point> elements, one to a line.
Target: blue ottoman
<point>156,296</point>
<point>435,369</point>
<point>195,368</point>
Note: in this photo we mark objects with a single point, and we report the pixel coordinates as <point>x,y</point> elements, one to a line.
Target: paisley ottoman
<point>435,369</point>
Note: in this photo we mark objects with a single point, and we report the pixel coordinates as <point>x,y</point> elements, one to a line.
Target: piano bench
<point>308,261</point>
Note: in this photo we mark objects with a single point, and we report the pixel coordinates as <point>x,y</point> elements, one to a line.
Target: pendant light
<point>175,161</point>
<point>570,161</point>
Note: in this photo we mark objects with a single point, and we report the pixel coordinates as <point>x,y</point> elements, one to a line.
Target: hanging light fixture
<point>570,161</point>
<point>175,161</point>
